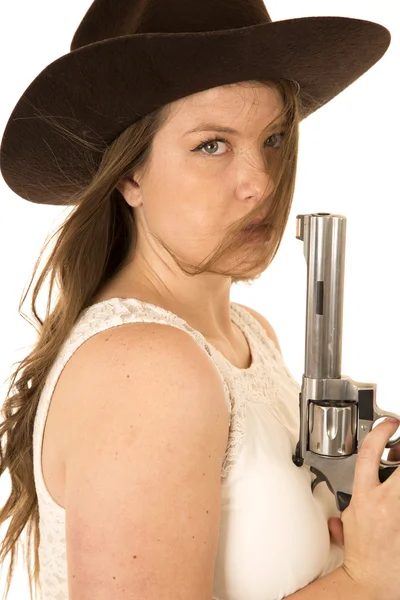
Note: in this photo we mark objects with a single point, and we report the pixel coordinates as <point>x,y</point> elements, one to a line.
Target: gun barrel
<point>324,237</point>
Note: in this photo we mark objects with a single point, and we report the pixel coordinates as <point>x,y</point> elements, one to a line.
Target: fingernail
<point>392,420</point>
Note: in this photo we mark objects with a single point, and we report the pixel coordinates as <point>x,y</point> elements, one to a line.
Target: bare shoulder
<point>265,323</point>
<point>140,354</point>
<point>148,429</point>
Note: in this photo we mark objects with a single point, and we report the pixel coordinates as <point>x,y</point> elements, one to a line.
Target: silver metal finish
<point>336,413</point>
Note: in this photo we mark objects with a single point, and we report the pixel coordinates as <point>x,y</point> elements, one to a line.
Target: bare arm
<point>338,585</point>
<point>147,431</point>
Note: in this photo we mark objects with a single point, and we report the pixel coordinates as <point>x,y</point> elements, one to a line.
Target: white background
<point>348,164</point>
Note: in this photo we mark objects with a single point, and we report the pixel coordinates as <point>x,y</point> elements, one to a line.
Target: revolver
<point>336,413</point>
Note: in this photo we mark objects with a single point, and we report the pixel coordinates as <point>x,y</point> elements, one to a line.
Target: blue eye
<point>274,137</point>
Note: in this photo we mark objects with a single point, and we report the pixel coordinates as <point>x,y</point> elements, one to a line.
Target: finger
<point>336,532</point>
<point>369,456</point>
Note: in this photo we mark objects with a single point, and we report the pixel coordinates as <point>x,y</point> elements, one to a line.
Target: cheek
<point>174,176</point>
<point>186,198</point>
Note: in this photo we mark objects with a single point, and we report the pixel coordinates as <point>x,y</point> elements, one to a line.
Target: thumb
<point>335,527</point>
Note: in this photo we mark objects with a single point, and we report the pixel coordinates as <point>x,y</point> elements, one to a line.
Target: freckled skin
<point>204,191</point>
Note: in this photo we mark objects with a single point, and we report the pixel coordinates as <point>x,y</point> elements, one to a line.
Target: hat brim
<point>99,90</point>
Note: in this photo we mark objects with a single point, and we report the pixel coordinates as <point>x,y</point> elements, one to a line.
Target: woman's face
<point>188,193</point>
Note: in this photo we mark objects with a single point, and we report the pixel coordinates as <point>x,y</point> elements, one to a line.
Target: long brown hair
<point>91,246</point>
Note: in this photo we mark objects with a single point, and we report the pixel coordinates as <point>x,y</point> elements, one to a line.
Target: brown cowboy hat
<point>129,57</point>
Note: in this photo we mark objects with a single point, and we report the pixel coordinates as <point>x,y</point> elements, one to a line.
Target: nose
<point>253,179</point>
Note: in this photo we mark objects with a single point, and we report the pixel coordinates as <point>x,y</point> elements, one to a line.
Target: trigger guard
<point>393,443</point>
<point>389,463</point>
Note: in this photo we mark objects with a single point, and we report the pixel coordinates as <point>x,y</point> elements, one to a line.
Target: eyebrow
<point>219,129</point>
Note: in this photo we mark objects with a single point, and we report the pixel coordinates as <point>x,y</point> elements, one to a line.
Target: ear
<point>130,190</point>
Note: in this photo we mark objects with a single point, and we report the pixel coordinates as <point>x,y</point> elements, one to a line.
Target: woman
<point>156,420</point>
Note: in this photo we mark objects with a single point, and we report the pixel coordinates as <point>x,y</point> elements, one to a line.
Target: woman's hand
<point>335,524</point>
<point>335,527</point>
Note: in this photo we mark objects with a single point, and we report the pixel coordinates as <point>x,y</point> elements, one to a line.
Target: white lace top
<point>274,536</point>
